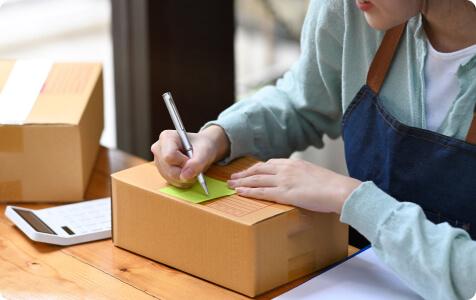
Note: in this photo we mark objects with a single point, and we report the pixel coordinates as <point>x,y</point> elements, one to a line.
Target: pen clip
<point>173,110</point>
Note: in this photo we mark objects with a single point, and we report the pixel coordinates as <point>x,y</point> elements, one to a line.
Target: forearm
<point>437,261</point>
<point>304,105</point>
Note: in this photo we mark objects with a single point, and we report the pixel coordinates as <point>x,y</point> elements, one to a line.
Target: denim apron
<point>411,164</point>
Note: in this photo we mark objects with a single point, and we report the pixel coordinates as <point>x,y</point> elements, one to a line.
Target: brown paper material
<point>11,190</point>
<point>52,155</point>
<point>246,245</point>
<point>11,139</point>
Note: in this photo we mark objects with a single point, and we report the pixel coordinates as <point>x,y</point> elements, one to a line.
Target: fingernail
<point>187,174</point>
<point>231,183</point>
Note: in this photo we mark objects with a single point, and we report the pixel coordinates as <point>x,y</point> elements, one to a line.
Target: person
<point>409,134</point>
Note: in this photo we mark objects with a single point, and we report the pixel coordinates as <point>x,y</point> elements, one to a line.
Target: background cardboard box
<point>50,156</point>
<point>243,244</point>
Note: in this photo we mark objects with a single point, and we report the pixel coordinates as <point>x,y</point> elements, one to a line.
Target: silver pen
<point>169,102</point>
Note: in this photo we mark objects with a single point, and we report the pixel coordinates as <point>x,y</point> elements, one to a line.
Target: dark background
<point>184,47</point>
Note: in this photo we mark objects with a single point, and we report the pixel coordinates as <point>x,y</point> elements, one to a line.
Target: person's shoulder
<point>324,7</point>
<point>339,13</point>
<point>336,7</point>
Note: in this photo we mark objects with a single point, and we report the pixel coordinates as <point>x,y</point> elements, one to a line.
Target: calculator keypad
<point>81,218</point>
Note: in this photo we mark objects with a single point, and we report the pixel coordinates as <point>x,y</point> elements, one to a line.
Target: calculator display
<point>34,221</point>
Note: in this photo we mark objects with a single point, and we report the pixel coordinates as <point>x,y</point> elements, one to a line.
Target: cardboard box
<point>51,120</point>
<point>242,244</point>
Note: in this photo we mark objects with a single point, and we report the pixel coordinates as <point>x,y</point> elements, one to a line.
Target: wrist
<point>346,188</point>
<point>220,141</point>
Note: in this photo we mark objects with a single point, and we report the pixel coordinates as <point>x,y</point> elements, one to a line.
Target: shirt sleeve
<point>437,261</point>
<point>304,104</point>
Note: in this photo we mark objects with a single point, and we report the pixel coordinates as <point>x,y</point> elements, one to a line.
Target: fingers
<point>261,181</point>
<point>262,193</point>
<point>172,175</point>
<point>175,166</point>
<point>169,159</point>
<point>253,181</point>
<point>195,165</point>
<point>168,149</point>
<point>192,168</point>
<point>259,168</point>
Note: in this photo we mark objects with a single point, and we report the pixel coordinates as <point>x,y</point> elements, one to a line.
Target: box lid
<point>42,92</point>
<point>239,209</point>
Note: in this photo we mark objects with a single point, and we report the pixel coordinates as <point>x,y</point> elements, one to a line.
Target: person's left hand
<point>295,182</point>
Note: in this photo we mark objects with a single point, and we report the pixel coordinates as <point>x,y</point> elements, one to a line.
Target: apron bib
<point>411,164</point>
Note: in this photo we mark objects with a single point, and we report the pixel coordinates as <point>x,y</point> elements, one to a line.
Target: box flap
<point>243,210</point>
<point>64,94</point>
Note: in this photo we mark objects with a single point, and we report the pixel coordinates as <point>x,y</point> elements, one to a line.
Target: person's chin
<point>378,23</point>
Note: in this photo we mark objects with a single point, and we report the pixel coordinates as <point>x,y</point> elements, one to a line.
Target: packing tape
<point>21,90</point>
<point>11,139</point>
<point>301,242</point>
<point>11,190</point>
<point>6,67</point>
<point>302,264</point>
<point>299,221</point>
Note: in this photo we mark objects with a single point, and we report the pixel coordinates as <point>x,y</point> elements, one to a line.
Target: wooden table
<point>98,270</point>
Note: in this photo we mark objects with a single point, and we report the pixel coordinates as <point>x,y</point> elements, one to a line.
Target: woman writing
<point>398,80</point>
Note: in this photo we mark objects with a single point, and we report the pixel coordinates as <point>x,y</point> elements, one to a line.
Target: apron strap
<point>383,58</point>
<point>471,136</point>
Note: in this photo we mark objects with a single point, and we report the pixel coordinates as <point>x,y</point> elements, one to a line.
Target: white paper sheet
<point>361,277</point>
<point>21,90</point>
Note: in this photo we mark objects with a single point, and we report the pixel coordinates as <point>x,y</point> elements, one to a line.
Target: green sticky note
<point>196,194</point>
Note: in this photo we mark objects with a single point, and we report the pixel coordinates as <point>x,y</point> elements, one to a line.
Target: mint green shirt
<point>337,47</point>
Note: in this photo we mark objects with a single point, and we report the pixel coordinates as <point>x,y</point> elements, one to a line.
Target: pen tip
<point>203,183</point>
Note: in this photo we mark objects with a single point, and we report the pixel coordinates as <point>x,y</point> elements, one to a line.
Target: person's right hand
<point>209,145</point>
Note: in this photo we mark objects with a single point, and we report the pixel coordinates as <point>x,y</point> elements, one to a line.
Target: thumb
<point>194,166</point>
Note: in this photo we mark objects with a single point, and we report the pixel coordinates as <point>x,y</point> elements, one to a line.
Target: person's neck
<point>449,24</point>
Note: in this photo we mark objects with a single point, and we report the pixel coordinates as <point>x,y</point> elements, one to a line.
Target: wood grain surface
<point>98,270</point>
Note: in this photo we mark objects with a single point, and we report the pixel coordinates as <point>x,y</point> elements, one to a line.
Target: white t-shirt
<point>442,85</point>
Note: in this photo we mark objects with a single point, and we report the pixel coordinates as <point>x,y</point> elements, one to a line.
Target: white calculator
<point>65,224</point>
